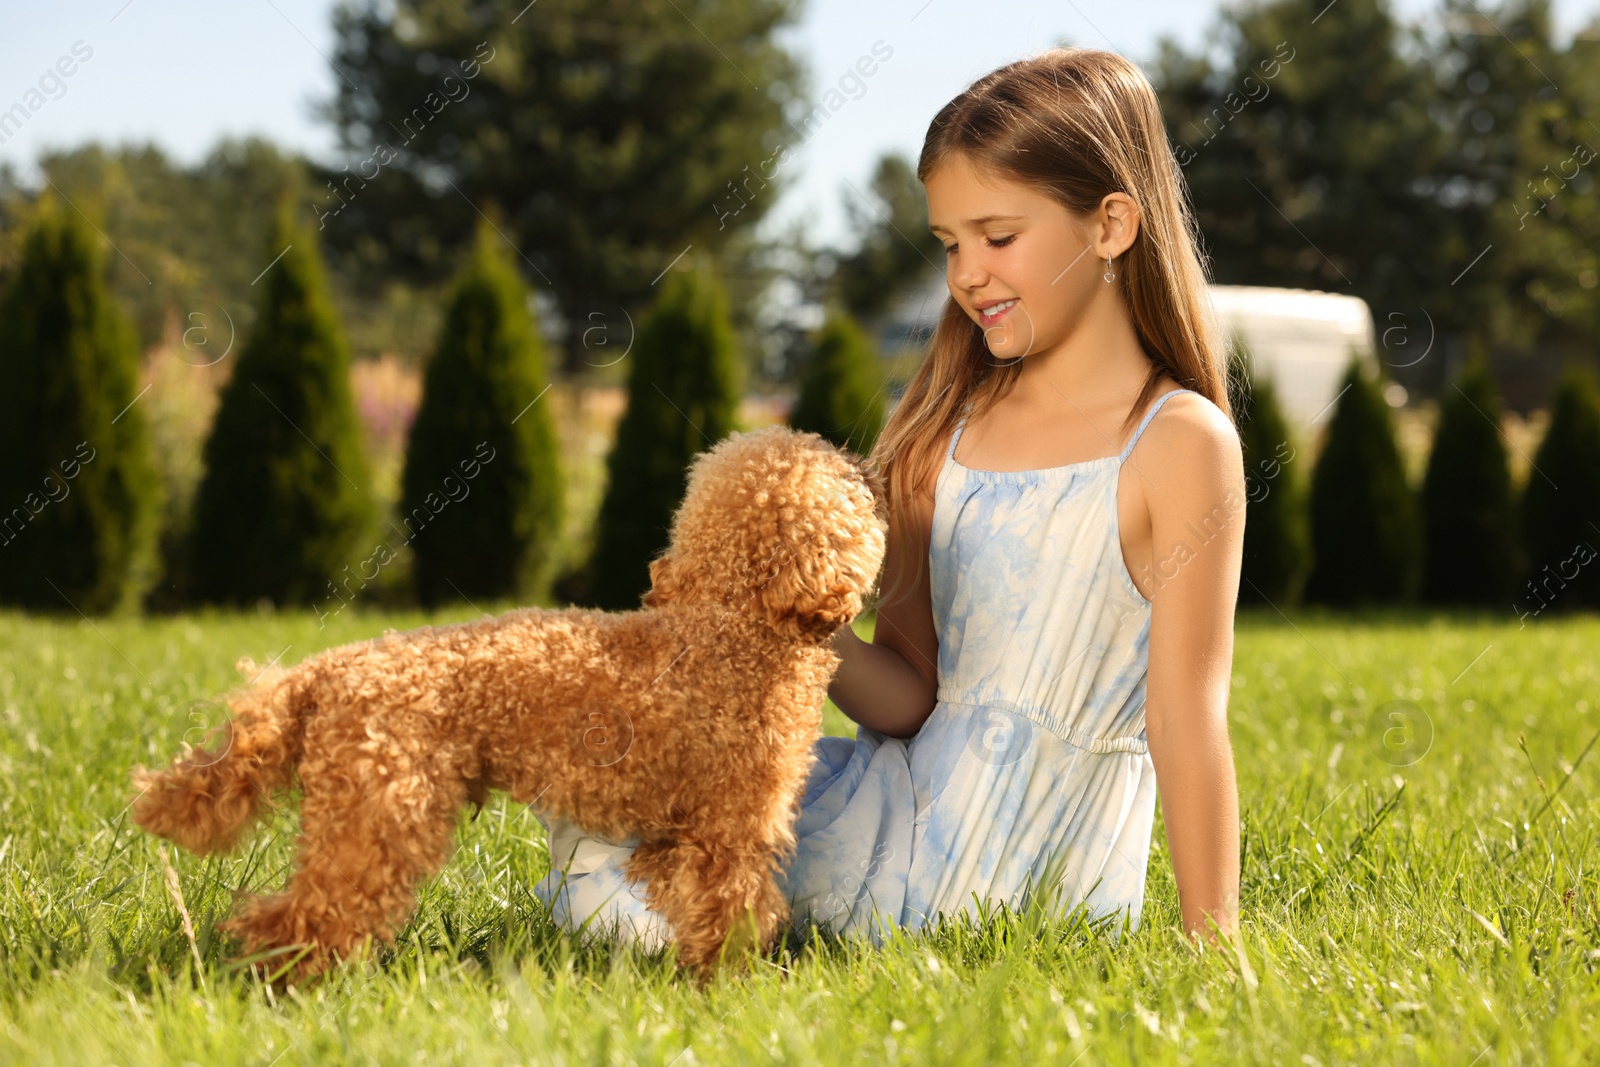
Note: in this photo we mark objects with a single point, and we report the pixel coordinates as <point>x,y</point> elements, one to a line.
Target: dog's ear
<point>670,581</point>
<point>807,597</point>
<point>663,582</point>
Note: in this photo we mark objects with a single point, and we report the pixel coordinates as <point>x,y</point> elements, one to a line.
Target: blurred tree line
<point>1444,172</point>
<point>580,152</point>
<point>1347,528</point>
<point>606,139</point>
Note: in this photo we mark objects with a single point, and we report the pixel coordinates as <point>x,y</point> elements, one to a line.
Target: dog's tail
<point>209,796</point>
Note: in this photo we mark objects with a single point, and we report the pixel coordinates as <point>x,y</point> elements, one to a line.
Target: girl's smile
<point>990,312</point>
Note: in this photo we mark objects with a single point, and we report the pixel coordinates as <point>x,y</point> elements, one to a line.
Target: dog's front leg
<point>720,899</point>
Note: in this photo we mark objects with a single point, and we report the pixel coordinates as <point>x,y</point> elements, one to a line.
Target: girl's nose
<point>966,272</point>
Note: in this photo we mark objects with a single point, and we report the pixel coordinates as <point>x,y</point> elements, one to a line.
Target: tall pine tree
<point>1364,531</point>
<point>481,496</point>
<point>1276,549</point>
<point>1469,547</point>
<point>841,392</point>
<point>613,132</point>
<point>1561,503</point>
<point>284,505</point>
<point>683,397</point>
<point>77,483</point>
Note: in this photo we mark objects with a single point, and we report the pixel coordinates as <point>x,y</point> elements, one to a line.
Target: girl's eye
<point>994,242</point>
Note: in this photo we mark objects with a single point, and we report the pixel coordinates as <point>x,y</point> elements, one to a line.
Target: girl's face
<point>1021,264</point>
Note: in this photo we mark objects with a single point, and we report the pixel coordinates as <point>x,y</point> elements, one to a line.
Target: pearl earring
<point>1108,275</point>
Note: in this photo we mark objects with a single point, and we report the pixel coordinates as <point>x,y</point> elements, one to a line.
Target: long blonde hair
<point>1075,124</point>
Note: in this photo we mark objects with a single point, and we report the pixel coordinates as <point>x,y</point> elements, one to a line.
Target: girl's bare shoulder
<point>1195,441</point>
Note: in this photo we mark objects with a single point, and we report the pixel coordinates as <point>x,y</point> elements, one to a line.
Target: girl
<point>1069,643</point>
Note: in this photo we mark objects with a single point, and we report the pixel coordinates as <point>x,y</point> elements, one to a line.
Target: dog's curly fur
<point>687,722</point>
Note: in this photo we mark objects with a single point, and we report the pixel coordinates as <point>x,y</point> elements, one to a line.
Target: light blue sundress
<point>1031,774</point>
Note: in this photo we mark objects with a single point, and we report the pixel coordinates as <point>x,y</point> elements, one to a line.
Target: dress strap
<point>1148,415</point>
<point>950,453</point>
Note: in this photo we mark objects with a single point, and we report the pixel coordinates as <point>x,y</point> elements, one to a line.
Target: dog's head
<point>779,524</point>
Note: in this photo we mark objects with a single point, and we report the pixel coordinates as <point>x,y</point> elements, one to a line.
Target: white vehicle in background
<point>1301,340</point>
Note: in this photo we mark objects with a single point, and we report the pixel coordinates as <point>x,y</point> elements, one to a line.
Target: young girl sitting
<point>1066,465</point>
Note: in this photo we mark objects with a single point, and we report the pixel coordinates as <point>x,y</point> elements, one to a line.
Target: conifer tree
<point>1469,551</point>
<point>77,484</point>
<point>481,497</point>
<point>1561,503</point>
<point>284,505</point>
<point>1276,548</point>
<point>683,395</point>
<point>841,391</point>
<point>1364,531</point>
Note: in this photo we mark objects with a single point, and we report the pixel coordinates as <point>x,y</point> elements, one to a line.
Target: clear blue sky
<point>183,73</point>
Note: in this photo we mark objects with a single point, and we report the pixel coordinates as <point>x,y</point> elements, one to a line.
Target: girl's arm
<point>1192,472</point>
<point>890,684</point>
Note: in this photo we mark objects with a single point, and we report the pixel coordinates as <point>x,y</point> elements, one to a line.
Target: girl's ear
<point>1119,222</point>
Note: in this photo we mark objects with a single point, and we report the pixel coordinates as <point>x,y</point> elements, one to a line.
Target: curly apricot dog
<point>687,722</point>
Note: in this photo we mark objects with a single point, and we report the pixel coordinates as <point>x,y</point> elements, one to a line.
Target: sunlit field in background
<point>1418,885</point>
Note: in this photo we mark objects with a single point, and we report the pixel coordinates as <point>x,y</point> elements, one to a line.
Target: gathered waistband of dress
<point>1076,738</point>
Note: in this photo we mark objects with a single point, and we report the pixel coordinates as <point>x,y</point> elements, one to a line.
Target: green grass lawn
<point>1419,885</point>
